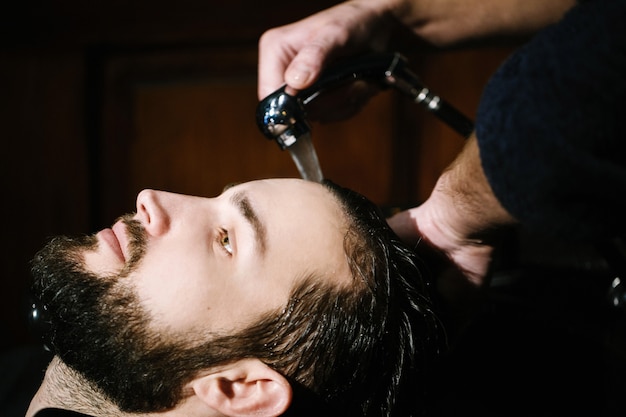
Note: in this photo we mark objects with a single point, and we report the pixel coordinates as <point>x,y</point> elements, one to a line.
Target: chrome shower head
<point>283,117</point>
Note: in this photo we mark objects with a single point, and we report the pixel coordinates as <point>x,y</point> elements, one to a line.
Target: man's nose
<point>152,211</point>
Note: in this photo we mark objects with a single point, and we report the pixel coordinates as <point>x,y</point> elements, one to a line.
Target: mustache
<point>62,258</point>
<point>68,250</point>
<point>137,241</point>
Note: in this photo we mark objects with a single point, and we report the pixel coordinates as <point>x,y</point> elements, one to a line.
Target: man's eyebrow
<point>241,201</point>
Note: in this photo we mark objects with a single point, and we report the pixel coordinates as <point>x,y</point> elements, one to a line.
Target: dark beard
<point>99,329</point>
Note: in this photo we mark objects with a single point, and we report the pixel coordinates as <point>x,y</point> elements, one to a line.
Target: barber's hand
<point>434,226</point>
<point>457,231</point>
<point>297,53</point>
<point>462,219</point>
<point>459,265</point>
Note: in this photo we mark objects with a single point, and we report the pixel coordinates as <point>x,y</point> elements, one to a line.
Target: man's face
<point>218,263</point>
<point>153,287</point>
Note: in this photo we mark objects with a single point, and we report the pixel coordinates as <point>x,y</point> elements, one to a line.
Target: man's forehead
<point>292,205</point>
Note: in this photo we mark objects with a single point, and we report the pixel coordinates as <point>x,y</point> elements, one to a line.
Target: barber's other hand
<point>459,265</point>
<point>296,54</point>
<point>430,228</point>
<point>462,218</point>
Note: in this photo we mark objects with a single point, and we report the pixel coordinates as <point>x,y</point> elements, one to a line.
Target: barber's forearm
<point>468,191</point>
<point>448,22</point>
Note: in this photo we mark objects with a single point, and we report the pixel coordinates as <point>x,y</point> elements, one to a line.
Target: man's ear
<point>245,388</point>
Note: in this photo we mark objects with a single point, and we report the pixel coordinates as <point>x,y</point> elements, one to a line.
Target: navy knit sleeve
<point>551,126</point>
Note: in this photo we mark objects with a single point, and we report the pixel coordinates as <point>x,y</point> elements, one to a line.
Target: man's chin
<point>101,265</point>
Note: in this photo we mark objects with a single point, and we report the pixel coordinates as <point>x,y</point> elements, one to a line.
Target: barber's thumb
<point>299,76</point>
<point>404,225</point>
<point>306,66</point>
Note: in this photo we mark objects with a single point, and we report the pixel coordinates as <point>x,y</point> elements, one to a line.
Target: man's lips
<point>119,229</point>
<point>116,239</point>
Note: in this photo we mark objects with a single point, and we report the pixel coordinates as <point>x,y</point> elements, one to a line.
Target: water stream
<point>304,155</point>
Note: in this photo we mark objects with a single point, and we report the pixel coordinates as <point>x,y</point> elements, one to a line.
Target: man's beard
<point>99,328</point>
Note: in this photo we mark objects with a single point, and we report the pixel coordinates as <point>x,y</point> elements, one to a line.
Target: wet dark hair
<point>363,349</point>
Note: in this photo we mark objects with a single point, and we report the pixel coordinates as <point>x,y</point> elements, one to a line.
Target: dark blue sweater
<point>551,126</point>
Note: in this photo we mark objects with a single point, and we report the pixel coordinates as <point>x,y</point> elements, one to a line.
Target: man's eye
<point>224,240</point>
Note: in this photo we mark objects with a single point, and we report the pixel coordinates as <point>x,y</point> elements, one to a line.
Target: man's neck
<point>62,387</point>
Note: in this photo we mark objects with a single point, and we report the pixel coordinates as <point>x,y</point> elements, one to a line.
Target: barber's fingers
<point>296,54</point>
<point>404,224</point>
<point>439,224</point>
<point>275,55</point>
<point>306,67</point>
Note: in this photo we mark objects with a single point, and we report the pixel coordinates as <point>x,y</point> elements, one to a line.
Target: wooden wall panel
<point>197,137</point>
<point>186,123</point>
